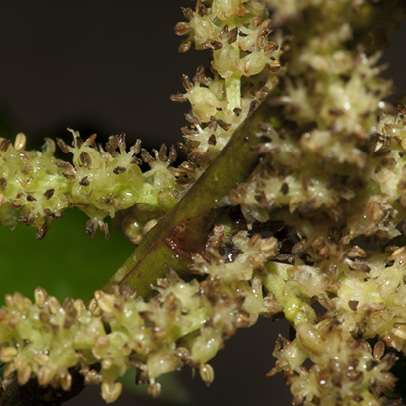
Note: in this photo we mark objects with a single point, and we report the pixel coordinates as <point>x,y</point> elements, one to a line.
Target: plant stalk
<point>183,231</point>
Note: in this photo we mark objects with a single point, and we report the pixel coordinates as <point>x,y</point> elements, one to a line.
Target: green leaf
<point>67,263</point>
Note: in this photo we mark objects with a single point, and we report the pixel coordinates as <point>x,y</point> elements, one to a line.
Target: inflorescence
<point>36,187</point>
<point>313,233</point>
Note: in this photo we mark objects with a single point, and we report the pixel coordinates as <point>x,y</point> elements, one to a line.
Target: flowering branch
<point>183,231</point>
<point>37,187</point>
<point>269,214</point>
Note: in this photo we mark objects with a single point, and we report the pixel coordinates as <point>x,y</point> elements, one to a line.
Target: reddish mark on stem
<point>180,240</point>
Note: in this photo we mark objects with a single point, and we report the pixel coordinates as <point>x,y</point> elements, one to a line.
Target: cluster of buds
<point>332,171</point>
<point>36,187</point>
<point>365,198</point>
<point>185,323</point>
<point>330,178</point>
<point>357,374</point>
<point>362,299</point>
<point>243,70</point>
<point>330,158</point>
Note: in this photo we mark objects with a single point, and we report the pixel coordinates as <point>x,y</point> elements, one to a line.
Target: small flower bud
<point>40,296</point>
<point>41,358</point>
<point>79,306</point>
<point>23,370</point>
<point>53,304</point>
<point>111,391</point>
<point>106,363</point>
<point>154,389</point>
<point>9,370</point>
<point>92,377</point>
<point>206,373</point>
<point>19,143</point>
<point>7,353</point>
<point>65,378</point>
<point>104,301</point>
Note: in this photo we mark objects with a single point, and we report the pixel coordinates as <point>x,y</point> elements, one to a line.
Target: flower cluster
<point>363,301</point>
<point>330,158</point>
<point>35,186</point>
<point>332,172</point>
<point>244,69</point>
<point>185,323</point>
<point>312,233</point>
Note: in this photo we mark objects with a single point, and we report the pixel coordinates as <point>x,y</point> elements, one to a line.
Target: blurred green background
<point>66,262</point>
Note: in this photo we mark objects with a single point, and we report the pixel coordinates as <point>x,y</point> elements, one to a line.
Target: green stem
<point>233,91</point>
<point>294,309</point>
<point>183,231</point>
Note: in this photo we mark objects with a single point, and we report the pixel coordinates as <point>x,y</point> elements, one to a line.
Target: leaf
<point>67,263</point>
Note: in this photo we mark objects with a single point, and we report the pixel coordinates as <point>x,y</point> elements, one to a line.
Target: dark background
<point>96,66</point>
<point>109,67</point>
